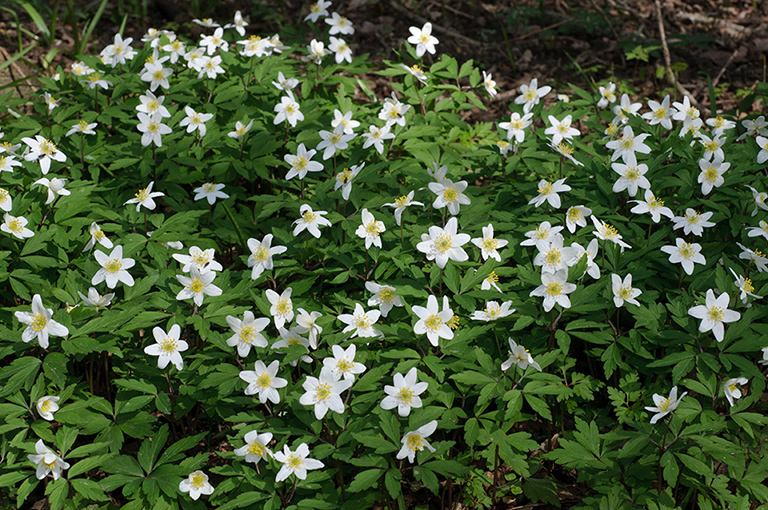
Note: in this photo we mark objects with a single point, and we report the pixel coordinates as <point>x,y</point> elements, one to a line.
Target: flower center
<point>553,256</point>
<point>609,232</point>
<point>294,461</point>
<point>345,175</point>
<point>541,233</point>
<point>711,174</point>
<point>154,126</point>
<point>198,481</point>
<point>415,442</point>
<point>45,406</point>
<point>611,129</point>
<point>94,77</point>
<point>574,214</point>
<point>284,307</point>
<point>453,323</point>
<point>373,229</point>
<point>625,292</point>
<point>490,244</point>
<point>692,112</point>
<point>113,265</point>
<point>748,287</point>
<point>554,288</point>
<point>344,366</point>
<point>424,38</point>
<point>664,404</point>
<point>15,225</point>
<point>290,108</point>
<point>82,125</point>
<point>530,94</point>
<point>169,345</point>
<point>493,277</point>
<point>660,113</point>
<point>405,395</point>
<point>711,146</point>
<point>433,322</point>
<point>443,243</point>
<point>715,314</point>
<point>152,105</point>
<point>546,189</point>
<point>655,203</point>
<point>38,322</point>
<point>450,195</point>
<point>3,193</point>
<point>565,149</point>
<point>386,296</point>
<point>247,334</point>
<point>402,201</point>
<point>209,187</point>
<point>492,310</point>
<point>99,234</point>
<point>196,286</point>
<point>632,174</point>
<point>362,322</point>
<point>260,255</point>
<point>263,381</point>
<point>323,391</point>
<point>300,163</point>
<point>309,216</point>
<point>159,75</point>
<point>692,217</point>
<point>47,147</point>
<point>687,251</point>
<point>257,448</point>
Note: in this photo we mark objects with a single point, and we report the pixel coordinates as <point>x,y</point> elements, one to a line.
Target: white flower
<point>711,175</point>
<point>114,268</point>
<point>210,67</point>
<point>39,323</point>
<point>384,296</point>
<point>292,337</point>
<point>652,205</point>
<point>239,24</point>
<point>754,127</point>
<point>415,441</point>
<point>83,128</point>
<point>659,114</point>
<point>745,286</point>
<point>624,109</point>
<point>759,198</point>
<point>8,162</point>
<point>714,313</point>
<point>195,120</point>
<point>339,25</point>
<point>632,177</point>
<point>46,406</point>
<point>302,163</point>
<point>6,203</point>
<point>201,259</point>
<point>263,380</point>
<point>731,389</point>
<point>552,256</point>
<point>210,191</point>
<point>607,232</point>
<point>607,95</point>
<point>713,147</point>
<point>285,84</point>
<point>317,9</point>
<point>416,72</point>
<point>344,120</point>
<point>490,281</point>
<point>519,356</point>
<point>47,462</point>
<point>720,125</point>
<point>288,109</point>
<point>95,299</point>
<point>626,146</point>
<point>544,232</point>
<point>344,179</point>
<point>686,254</point>
<point>255,447</point>
<point>764,361</point>
<point>247,332</point>
<point>401,203</point>
<point>489,84</point>
<point>488,244</point>
<point>206,23</point>
<point>333,141</point>
<point>760,230</point>
<point>316,51</point>
<point>554,288</point>
<point>119,51</point>
<point>153,105</point>
<point>370,230</point>
<point>341,50</point>
<point>423,39</point>
<point>685,111</point>
<point>261,255</point>
<point>561,130</point>
<point>343,363</point>
<point>16,225</point>
<point>296,463</point>
<point>157,75</point>
<point>548,192</point>
<point>311,221</point>
<point>450,194</point>
<point>306,323</point>
<point>43,150</point>
<point>324,392</point>
<point>196,483</point>
<point>516,126</point>
<point>197,285</point>
<point>664,405</point>
<point>590,252</point>
<point>240,129</point>
<point>212,42</point>
<point>152,130</point>
<point>393,111</point>
<point>576,216</point>
<point>432,321</point>
<point>493,311</point>
<point>95,80</point>
<point>444,244</point>
<point>530,95</point>
<point>167,347</point>
<point>405,393</point>
<point>755,256</point>
<point>282,306</point>
<point>50,101</point>
<point>623,290</point>
<point>361,322</point>
<point>693,222</point>
<point>145,197</point>
<point>376,136</point>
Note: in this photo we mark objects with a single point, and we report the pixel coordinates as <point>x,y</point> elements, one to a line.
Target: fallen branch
<point>667,60</point>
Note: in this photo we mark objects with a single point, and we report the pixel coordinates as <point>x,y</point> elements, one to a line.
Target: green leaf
<point>364,480</point>
<point>671,469</point>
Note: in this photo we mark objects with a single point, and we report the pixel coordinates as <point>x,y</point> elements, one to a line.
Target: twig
<point>665,49</point>
<point>720,74</point>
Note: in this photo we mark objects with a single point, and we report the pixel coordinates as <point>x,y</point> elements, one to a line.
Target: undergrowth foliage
<point>233,276</point>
